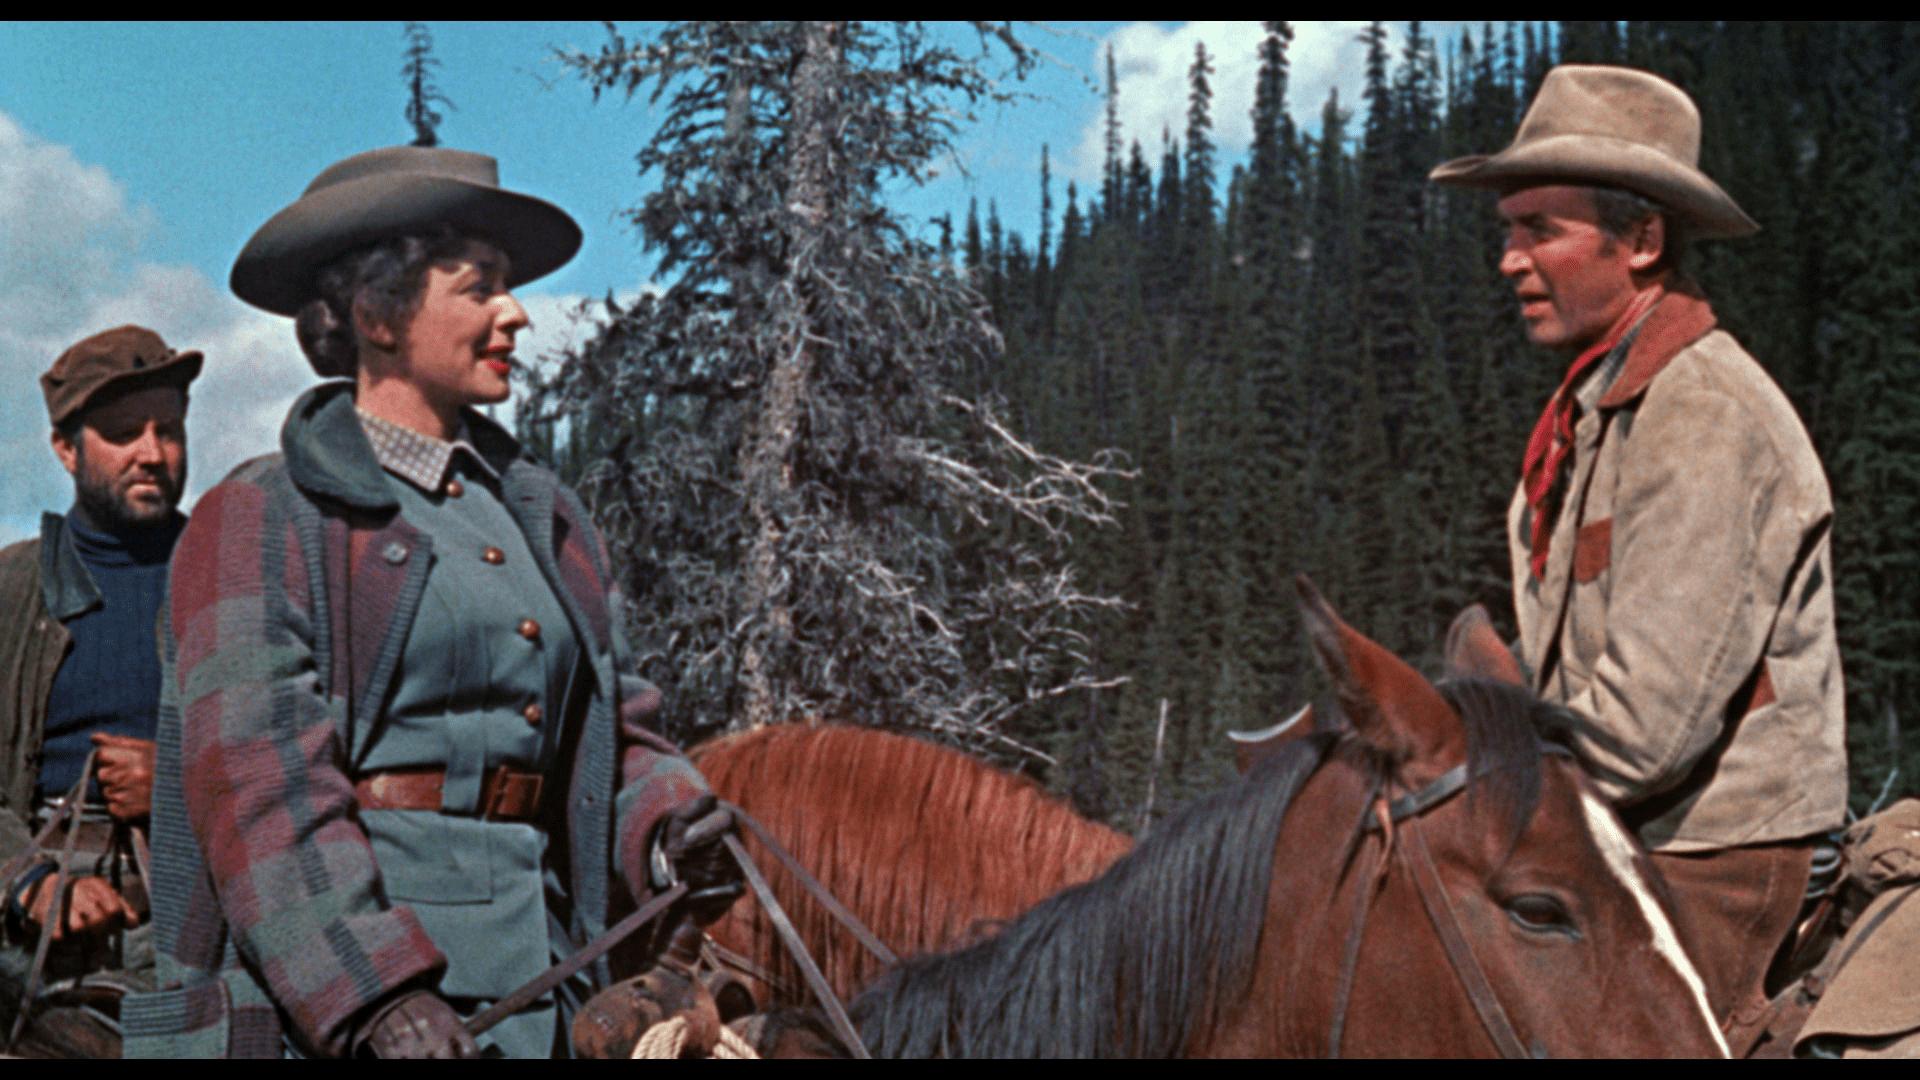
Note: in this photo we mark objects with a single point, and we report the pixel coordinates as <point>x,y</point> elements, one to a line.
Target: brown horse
<point>1434,881</point>
<point>926,845</point>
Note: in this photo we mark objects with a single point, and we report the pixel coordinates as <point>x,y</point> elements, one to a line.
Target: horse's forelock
<point>1508,728</point>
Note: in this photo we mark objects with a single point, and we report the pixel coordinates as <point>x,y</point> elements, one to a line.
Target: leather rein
<point>1401,818</point>
<point>816,981</point>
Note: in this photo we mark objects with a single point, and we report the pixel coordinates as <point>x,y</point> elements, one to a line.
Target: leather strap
<point>56,909</point>
<point>818,891</point>
<point>1433,897</point>
<point>1415,803</point>
<point>836,1013</point>
<point>1350,962</point>
<point>35,846</point>
<point>1446,786</point>
<point>566,969</point>
<point>507,794</point>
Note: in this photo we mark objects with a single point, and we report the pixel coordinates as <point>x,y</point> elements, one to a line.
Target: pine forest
<point>1040,488</point>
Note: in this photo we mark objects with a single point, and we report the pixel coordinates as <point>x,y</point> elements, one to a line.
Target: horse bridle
<point>1382,816</point>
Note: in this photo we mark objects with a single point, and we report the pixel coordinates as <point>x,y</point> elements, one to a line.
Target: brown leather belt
<point>507,794</point>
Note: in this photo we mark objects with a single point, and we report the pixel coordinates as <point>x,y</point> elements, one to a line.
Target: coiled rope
<point>666,1040</point>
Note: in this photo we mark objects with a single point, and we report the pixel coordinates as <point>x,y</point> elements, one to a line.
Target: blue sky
<point>135,159</point>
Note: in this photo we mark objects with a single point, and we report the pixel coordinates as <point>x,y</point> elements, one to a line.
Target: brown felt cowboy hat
<point>124,358</point>
<point>391,192</point>
<point>1614,126</point>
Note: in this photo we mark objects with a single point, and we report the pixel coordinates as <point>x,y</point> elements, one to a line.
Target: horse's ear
<point>1391,705</point>
<point>1474,649</point>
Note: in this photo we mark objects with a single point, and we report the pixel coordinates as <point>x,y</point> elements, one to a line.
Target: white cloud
<point>1152,61</point>
<point>73,267</point>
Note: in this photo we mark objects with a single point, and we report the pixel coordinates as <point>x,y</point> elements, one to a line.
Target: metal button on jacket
<point>493,556</point>
<point>455,488</point>
<point>530,629</point>
<point>533,713</point>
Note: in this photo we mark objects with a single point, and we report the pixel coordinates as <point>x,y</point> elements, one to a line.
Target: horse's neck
<point>927,846</point>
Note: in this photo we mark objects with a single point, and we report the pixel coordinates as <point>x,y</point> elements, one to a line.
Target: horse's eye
<point>1541,914</point>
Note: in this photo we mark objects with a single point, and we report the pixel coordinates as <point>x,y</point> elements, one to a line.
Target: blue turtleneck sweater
<point>110,680</point>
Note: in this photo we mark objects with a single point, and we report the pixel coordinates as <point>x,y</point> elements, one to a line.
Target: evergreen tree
<point>422,94</point>
<point>974,248</point>
<point>1866,345</point>
<point>1200,200</point>
<point>1110,196</point>
<point>1330,376</point>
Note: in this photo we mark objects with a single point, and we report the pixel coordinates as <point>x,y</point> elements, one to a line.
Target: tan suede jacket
<point>1686,613</point>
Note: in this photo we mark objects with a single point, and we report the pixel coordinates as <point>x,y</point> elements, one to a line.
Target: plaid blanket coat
<point>292,591</point>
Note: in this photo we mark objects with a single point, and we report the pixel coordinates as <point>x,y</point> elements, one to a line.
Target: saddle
<point>683,984</point>
<point>1855,991</point>
<point>77,1018</point>
<point>70,1008</point>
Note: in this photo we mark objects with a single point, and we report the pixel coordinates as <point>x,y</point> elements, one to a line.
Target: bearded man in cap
<point>1670,537</point>
<point>80,666</point>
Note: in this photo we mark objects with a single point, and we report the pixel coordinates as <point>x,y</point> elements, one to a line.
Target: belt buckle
<point>506,786</point>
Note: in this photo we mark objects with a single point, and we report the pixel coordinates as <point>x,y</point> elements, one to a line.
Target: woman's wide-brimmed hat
<point>391,192</point>
<point>1615,126</point>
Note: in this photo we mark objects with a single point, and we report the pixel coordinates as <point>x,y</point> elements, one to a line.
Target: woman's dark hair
<point>386,278</point>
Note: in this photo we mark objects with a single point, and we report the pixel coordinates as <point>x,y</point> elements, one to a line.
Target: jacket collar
<point>1681,318</point>
<point>327,451</point>
<point>66,588</point>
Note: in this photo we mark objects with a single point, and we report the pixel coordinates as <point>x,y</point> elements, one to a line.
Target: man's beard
<point>114,511</point>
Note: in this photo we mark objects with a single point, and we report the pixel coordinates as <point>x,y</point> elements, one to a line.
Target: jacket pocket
<point>428,856</point>
<point>190,1021</point>
<point>1592,550</point>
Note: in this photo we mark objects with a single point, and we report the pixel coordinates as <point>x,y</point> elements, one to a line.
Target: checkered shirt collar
<point>420,460</point>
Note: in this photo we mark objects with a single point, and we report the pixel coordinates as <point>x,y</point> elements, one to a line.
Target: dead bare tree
<point>810,516</point>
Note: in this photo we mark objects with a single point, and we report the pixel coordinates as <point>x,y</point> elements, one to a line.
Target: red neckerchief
<point>1552,440</point>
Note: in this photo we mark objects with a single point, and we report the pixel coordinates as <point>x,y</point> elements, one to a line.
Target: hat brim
<point>177,370</point>
<point>277,268</point>
<point>1689,193</point>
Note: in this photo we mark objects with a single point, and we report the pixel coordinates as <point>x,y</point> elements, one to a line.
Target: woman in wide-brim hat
<point>403,759</point>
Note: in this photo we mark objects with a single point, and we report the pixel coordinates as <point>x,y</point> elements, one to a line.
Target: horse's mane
<point>959,841</point>
<point>1139,961</point>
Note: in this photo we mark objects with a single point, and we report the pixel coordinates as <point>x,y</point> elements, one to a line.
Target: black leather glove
<point>688,848</point>
<point>414,1024</point>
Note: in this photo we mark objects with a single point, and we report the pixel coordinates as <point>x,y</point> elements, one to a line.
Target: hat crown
<point>1615,103</point>
<point>121,347</point>
<point>124,355</point>
<point>397,191</point>
<point>398,161</point>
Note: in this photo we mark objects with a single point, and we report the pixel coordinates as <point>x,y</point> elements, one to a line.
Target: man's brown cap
<point>121,357</point>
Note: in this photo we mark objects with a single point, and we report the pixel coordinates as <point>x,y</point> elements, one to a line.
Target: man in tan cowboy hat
<point>79,670</point>
<point>1671,569</point>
